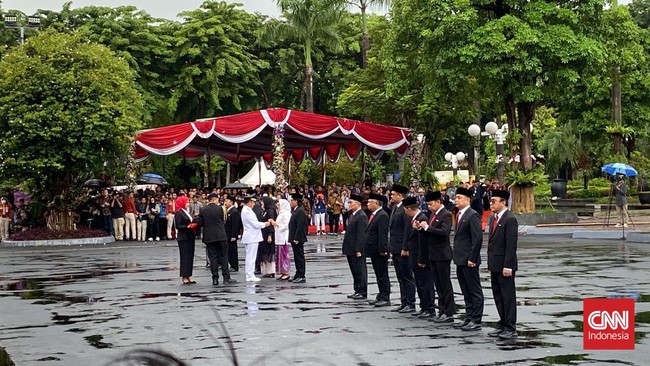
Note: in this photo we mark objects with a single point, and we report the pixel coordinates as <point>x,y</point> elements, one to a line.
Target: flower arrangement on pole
<point>417,147</point>
<point>278,166</point>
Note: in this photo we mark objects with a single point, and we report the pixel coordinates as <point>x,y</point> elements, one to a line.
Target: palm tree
<point>364,5</point>
<point>311,22</point>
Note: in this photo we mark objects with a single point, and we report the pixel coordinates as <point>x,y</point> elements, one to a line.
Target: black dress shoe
<point>234,269</point>
<point>495,333</point>
<point>444,318</point>
<point>417,313</point>
<point>300,280</point>
<point>397,309</point>
<point>471,326</point>
<point>215,282</point>
<point>461,324</point>
<point>351,296</point>
<point>407,310</point>
<point>359,297</point>
<point>372,302</point>
<point>382,303</point>
<point>425,315</point>
<point>508,334</point>
<point>229,281</point>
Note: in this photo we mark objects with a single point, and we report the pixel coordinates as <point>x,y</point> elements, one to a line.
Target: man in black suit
<point>502,264</point>
<point>376,246</point>
<point>417,252</point>
<point>212,218</point>
<point>233,230</point>
<point>355,236</point>
<point>298,225</point>
<point>468,240</point>
<point>438,229</point>
<point>400,228</point>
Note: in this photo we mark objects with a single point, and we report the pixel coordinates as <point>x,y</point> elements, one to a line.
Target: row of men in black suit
<point>421,252</point>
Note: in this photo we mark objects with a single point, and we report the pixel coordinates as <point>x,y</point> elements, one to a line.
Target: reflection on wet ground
<point>96,303</point>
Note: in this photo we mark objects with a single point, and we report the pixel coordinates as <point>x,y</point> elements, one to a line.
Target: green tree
<point>218,71</point>
<point>143,41</point>
<point>364,6</point>
<point>66,106</point>
<point>519,53</point>
<point>640,10</point>
<point>310,22</point>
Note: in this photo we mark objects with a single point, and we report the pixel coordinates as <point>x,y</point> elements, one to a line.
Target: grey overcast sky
<point>158,8</point>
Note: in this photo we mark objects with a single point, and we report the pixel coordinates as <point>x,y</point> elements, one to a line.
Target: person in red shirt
<point>171,210</point>
<point>5,218</point>
<point>129,217</point>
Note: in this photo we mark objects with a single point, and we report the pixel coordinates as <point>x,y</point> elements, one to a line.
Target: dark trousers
<point>423,284</point>
<point>108,224</point>
<point>503,289</point>
<point>404,276</point>
<point>334,222</point>
<point>233,255</point>
<point>299,259</point>
<point>441,271</point>
<point>186,250</point>
<point>346,215</point>
<point>470,284</point>
<point>380,267</point>
<point>218,256</point>
<point>359,273</point>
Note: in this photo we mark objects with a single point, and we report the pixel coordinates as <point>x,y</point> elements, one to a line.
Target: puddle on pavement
<point>96,341</point>
<point>5,360</point>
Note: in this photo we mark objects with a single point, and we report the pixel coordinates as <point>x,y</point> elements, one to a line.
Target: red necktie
<point>495,222</point>
<point>372,216</point>
<point>457,219</point>
<point>433,218</point>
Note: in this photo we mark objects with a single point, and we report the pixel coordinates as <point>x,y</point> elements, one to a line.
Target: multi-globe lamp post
<point>454,160</point>
<point>11,21</point>
<point>496,133</point>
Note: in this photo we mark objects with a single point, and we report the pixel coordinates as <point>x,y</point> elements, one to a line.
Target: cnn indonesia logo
<point>608,324</point>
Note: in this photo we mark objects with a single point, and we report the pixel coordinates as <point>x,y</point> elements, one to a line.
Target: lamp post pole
<point>496,133</point>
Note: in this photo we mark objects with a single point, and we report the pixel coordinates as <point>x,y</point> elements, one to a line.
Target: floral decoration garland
<point>417,146</point>
<point>278,166</point>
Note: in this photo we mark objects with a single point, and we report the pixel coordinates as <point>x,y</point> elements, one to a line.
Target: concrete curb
<point>57,242</point>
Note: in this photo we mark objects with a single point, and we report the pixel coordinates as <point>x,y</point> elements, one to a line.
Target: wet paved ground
<point>87,305</point>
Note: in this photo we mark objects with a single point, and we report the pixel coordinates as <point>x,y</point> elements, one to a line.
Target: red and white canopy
<point>242,137</point>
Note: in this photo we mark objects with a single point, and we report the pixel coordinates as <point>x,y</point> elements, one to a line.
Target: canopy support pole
<point>324,164</point>
<point>208,161</point>
<point>260,161</point>
<point>363,166</point>
<point>227,173</point>
<point>238,164</point>
<point>289,170</point>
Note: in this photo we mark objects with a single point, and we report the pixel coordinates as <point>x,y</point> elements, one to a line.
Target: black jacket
<point>377,234</point>
<point>355,233</point>
<point>468,239</point>
<point>502,244</point>
<point>181,221</point>
<point>211,218</point>
<point>438,236</point>
<point>298,225</point>
<point>233,224</point>
<point>400,228</point>
<point>417,243</point>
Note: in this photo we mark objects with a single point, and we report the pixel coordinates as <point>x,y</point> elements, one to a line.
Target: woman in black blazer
<point>185,237</point>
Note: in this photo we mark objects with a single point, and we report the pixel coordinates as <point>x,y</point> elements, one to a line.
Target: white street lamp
<point>11,21</point>
<point>454,159</point>
<point>495,133</point>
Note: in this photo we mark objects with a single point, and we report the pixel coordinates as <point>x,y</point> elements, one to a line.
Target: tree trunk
<point>617,108</point>
<point>523,199</point>
<point>365,41</point>
<point>309,89</point>
<point>61,220</point>
<point>525,115</point>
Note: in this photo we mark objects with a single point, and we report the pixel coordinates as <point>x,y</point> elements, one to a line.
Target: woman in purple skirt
<point>282,263</point>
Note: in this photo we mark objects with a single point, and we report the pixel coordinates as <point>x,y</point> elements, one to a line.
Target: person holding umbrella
<point>619,190</point>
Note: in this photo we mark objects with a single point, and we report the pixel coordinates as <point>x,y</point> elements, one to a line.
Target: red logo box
<point>608,323</point>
